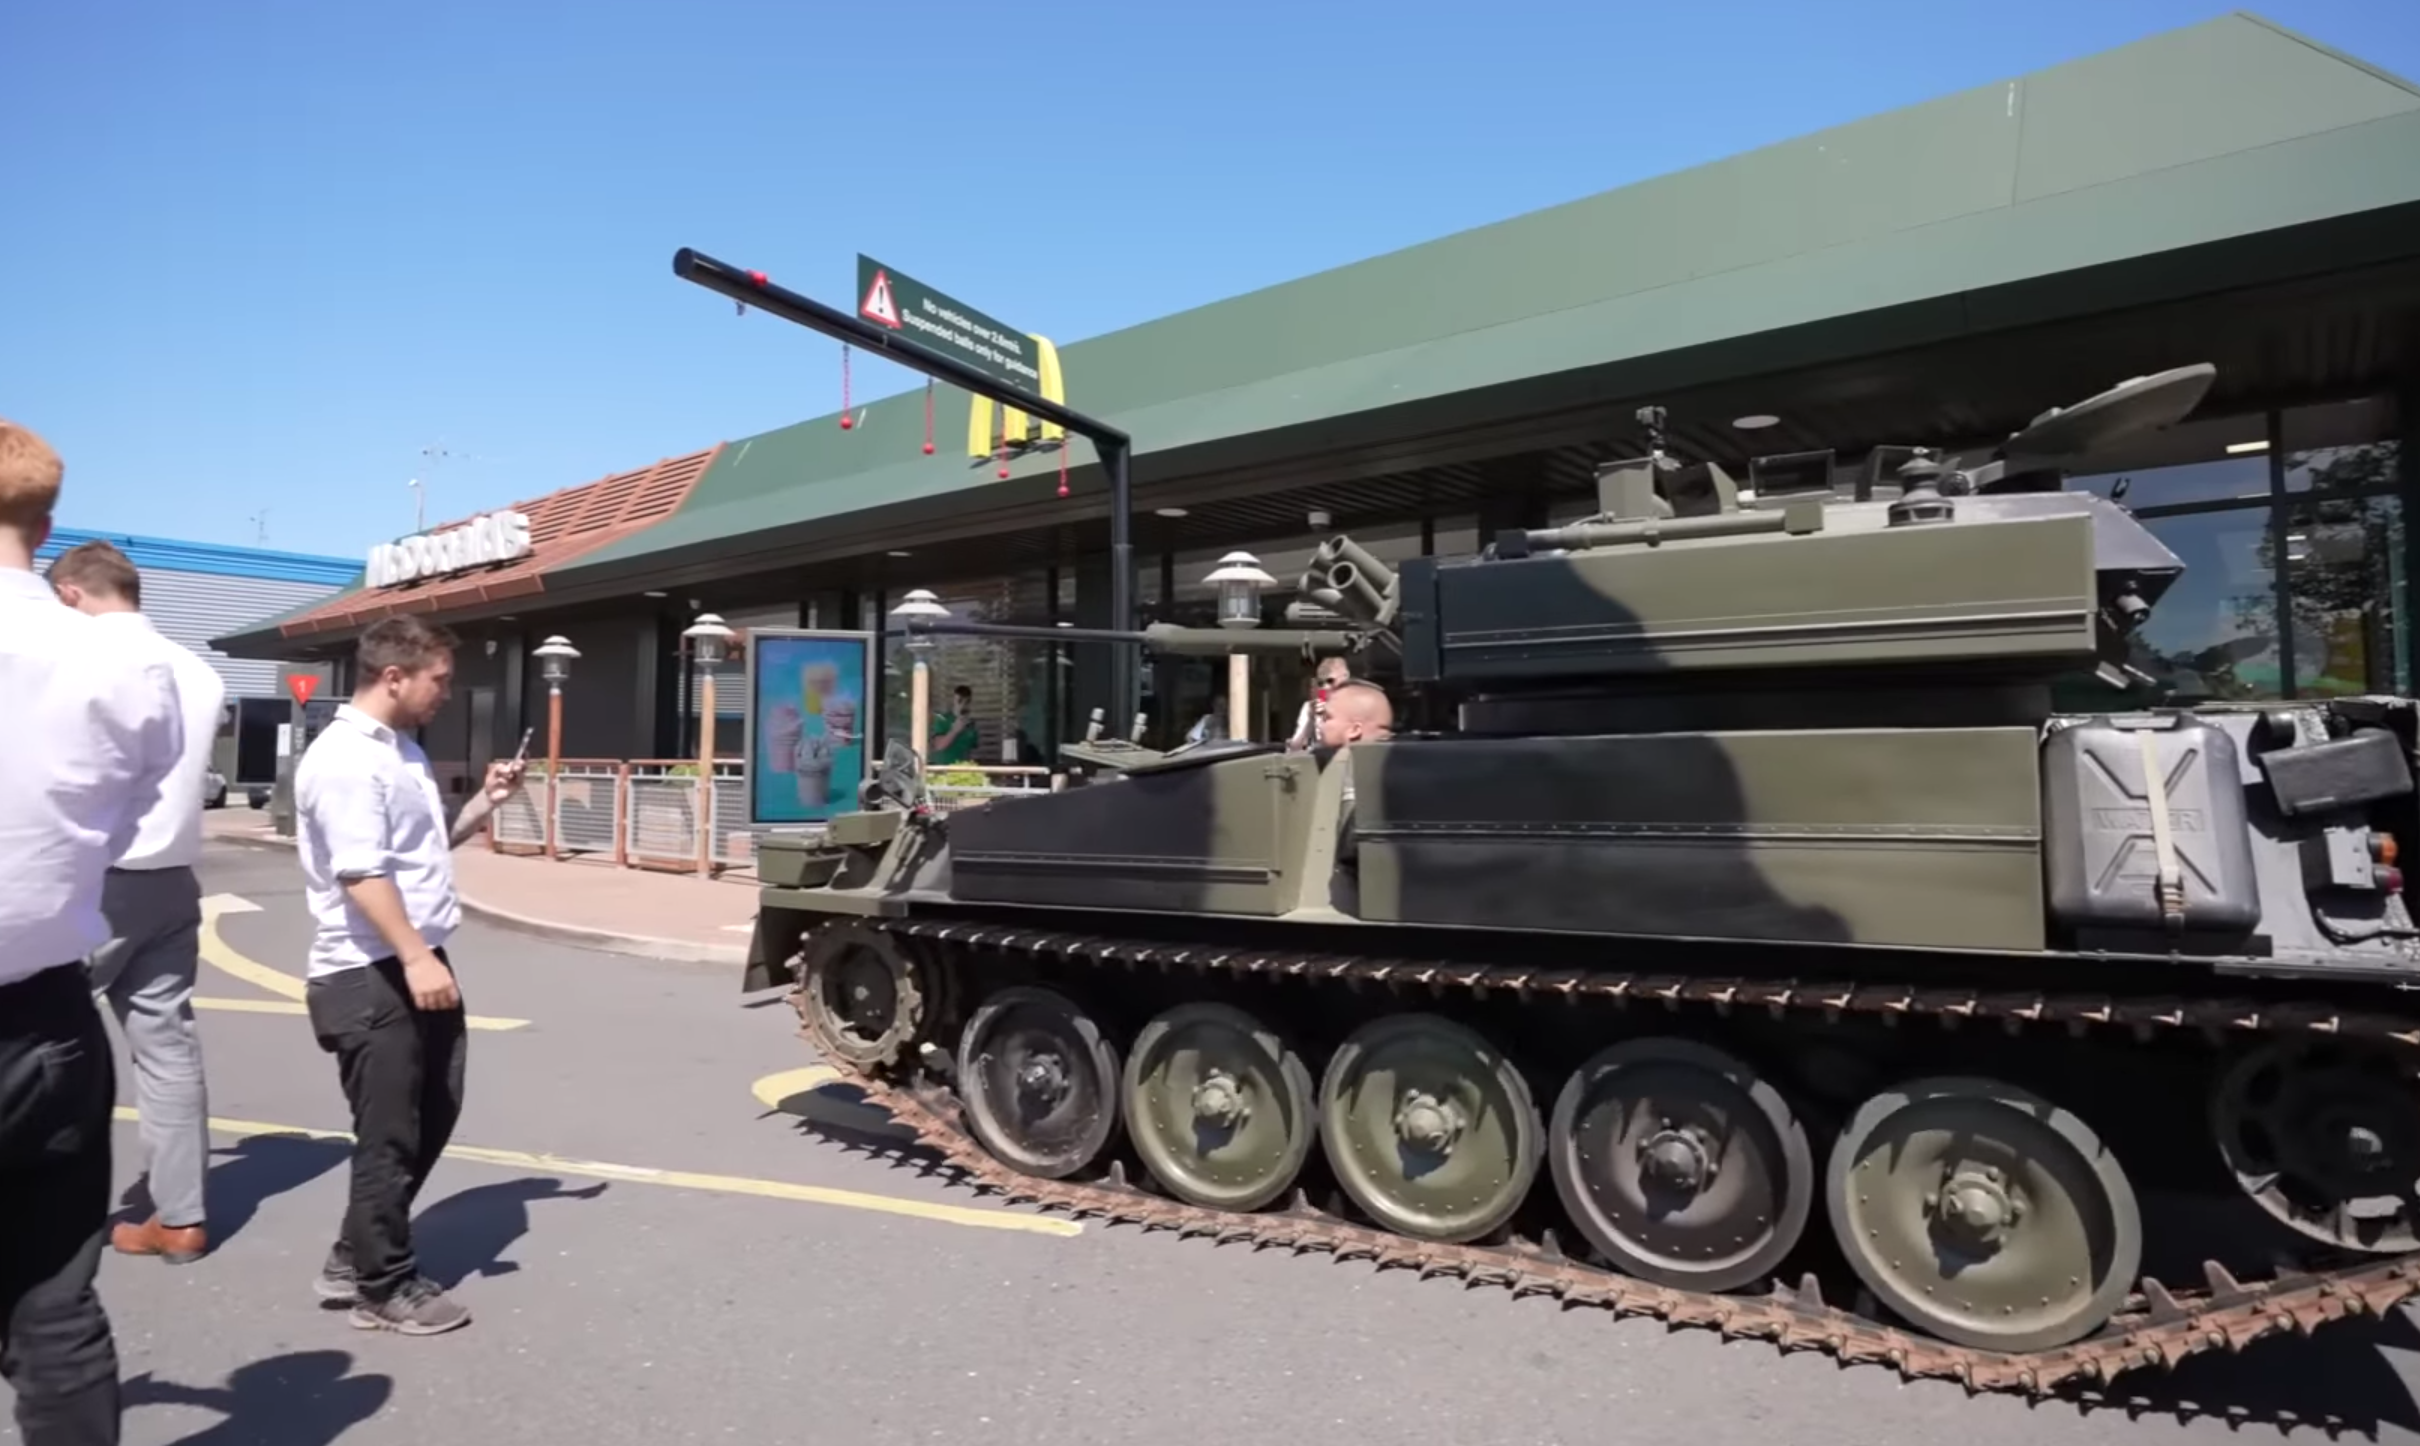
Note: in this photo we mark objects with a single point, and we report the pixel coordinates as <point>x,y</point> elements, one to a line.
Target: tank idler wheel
<point>1040,1081</point>
<point>1429,1128</point>
<point>1983,1214</point>
<point>2325,1136</point>
<point>1681,1164</point>
<point>862,996</point>
<point>1218,1106</point>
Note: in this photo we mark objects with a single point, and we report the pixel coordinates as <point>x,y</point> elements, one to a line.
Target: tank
<point>1805,912</point>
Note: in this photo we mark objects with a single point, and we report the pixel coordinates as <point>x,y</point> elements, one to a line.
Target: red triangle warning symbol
<point>878,305</point>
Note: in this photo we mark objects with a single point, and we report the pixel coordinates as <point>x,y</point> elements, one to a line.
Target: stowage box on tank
<point>1804,899</point>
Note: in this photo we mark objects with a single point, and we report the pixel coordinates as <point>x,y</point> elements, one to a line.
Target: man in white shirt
<point>154,906</point>
<point>89,732</point>
<point>378,872</point>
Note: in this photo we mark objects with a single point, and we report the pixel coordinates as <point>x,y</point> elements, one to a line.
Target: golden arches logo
<point>1016,431</point>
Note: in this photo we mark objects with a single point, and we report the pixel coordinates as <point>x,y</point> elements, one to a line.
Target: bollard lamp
<point>555,657</point>
<point>1239,580</point>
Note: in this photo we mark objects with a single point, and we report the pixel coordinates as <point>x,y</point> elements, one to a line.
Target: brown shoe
<point>179,1246</point>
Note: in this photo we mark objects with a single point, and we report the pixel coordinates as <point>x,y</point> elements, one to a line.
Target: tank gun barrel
<point>1164,637</point>
<point>1799,517</point>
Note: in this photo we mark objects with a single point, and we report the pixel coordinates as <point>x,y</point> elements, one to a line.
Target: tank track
<point>2156,1328</point>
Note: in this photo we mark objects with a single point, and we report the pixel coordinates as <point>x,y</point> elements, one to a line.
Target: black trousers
<point>57,1086</point>
<point>402,1068</point>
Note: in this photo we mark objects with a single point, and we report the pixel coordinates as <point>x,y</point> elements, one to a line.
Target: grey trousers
<point>146,971</point>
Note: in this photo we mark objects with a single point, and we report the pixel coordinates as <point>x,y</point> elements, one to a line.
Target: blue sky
<point>261,253</point>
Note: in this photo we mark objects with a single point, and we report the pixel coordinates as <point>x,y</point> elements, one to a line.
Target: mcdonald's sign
<point>1016,428</point>
<point>940,324</point>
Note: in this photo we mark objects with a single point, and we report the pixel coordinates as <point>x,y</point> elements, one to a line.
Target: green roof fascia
<point>1957,261</point>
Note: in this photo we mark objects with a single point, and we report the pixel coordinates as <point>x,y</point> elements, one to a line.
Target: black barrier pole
<point>1125,667</point>
<point>751,288</point>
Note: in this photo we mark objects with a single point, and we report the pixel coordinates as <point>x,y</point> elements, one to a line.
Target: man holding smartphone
<point>378,872</point>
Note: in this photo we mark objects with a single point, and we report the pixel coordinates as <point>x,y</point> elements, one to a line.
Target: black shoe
<point>418,1309</point>
<point>337,1281</point>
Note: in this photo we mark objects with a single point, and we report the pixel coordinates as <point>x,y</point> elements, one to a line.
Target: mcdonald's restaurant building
<point>1937,276</point>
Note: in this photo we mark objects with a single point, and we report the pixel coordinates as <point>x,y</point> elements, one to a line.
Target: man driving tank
<point>1356,710</point>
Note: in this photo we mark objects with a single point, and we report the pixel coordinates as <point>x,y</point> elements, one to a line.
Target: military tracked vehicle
<point>1814,924</point>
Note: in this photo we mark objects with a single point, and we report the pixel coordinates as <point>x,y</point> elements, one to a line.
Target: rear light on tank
<point>2382,848</point>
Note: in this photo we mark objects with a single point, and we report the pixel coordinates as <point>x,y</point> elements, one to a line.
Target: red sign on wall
<point>302,686</point>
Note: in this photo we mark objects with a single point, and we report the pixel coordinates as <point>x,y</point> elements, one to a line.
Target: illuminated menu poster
<point>807,716</point>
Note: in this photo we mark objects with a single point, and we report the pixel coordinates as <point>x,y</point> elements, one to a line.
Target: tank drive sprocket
<point>2324,1135</point>
<point>865,996</point>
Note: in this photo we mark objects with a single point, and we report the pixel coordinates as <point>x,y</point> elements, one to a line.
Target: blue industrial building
<point>196,591</point>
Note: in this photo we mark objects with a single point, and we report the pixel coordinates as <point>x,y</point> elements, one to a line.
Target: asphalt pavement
<point>655,1256</point>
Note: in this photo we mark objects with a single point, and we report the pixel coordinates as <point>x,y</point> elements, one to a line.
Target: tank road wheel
<point>1983,1214</point>
<point>1218,1106</point>
<point>861,995</point>
<point>1430,1130</point>
<point>1039,1080</point>
<point>2325,1136</point>
<point>1681,1164</point>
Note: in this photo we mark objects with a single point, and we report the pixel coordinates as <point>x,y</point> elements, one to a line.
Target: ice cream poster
<point>807,723</point>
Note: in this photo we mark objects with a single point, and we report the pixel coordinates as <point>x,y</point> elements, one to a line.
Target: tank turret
<point>1992,580</point>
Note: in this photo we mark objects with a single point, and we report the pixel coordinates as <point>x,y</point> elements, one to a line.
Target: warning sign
<point>879,305</point>
<point>945,326</point>
<point>302,686</point>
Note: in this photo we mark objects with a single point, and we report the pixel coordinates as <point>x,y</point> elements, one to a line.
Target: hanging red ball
<point>757,276</point>
<point>1062,489</point>
<point>928,449</point>
<point>845,423</point>
<point>1004,473</point>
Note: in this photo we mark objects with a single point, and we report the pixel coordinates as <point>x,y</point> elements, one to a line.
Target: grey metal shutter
<point>193,607</point>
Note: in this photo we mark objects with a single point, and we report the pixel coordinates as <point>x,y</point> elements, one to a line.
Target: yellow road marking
<point>288,1006</point>
<point>799,1092</point>
<point>221,955</point>
<point>250,1006</point>
<point>685,1180</point>
<point>217,953</point>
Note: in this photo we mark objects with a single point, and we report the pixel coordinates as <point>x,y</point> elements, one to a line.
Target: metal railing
<point>955,786</point>
<point>661,808</point>
<point>646,813</point>
<point>588,807</point>
<point>585,802</point>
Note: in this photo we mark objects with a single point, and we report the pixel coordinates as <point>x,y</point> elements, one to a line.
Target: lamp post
<point>919,604</point>
<point>1239,579</point>
<point>708,637</point>
<point>554,657</point>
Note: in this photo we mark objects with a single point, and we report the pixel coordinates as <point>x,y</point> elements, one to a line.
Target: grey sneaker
<point>337,1281</point>
<point>418,1309</point>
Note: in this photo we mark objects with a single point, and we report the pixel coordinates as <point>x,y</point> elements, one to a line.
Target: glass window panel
<point>2222,459</point>
<point>2344,573</point>
<point>2223,479</point>
<point>1008,680</point>
<point>2342,447</point>
<point>2213,636</point>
